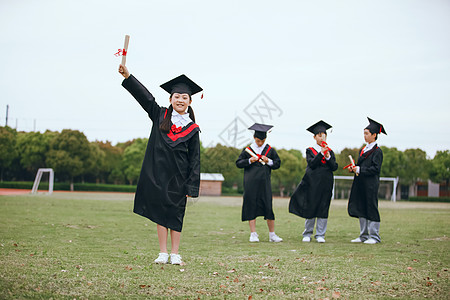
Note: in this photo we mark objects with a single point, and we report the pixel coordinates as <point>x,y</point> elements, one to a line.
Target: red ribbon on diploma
<point>324,144</point>
<point>122,52</point>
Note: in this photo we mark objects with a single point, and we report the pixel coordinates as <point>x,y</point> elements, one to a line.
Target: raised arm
<point>140,93</point>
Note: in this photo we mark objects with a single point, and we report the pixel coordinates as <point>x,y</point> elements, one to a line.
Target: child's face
<point>259,142</point>
<point>320,137</point>
<point>180,102</point>
<point>369,137</point>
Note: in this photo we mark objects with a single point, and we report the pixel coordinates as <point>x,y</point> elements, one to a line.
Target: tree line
<point>75,159</point>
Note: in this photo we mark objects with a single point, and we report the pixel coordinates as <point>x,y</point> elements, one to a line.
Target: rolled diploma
<point>254,155</point>
<point>125,49</point>
<point>352,162</point>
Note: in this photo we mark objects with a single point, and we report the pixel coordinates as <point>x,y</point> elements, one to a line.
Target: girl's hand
<point>253,159</point>
<point>124,71</point>
<point>265,159</point>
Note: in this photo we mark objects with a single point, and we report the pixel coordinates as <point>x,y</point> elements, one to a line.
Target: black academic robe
<point>171,167</point>
<point>363,200</point>
<point>312,197</point>
<point>257,185</point>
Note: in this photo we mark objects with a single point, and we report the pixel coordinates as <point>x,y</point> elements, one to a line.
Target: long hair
<point>166,124</point>
<point>191,113</point>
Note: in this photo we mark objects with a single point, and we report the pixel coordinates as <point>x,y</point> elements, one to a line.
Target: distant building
<point>211,184</point>
<point>425,189</point>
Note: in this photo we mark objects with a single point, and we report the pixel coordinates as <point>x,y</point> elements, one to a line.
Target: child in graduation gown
<point>257,184</point>
<point>171,167</point>
<point>363,202</point>
<point>311,200</point>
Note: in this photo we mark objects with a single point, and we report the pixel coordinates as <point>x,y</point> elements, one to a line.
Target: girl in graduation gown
<point>171,167</point>
<point>257,184</point>
<point>363,201</point>
<point>311,200</point>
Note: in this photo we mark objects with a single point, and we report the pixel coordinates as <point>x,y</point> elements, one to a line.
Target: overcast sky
<point>340,61</point>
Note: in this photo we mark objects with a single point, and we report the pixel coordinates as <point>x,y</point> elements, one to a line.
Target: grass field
<point>90,245</point>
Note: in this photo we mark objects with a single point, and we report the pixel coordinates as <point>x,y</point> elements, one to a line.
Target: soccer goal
<point>37,180</point>
<point>385,186</point>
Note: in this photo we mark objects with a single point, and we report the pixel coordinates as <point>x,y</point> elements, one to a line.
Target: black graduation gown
<point>312,197</point>
<point>171,167</point>
<point>363,200</point>
<point>257,185</point>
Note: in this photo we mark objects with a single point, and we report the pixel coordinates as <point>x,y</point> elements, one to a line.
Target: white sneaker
<point>357,240</point>
<point>275,238</point>
<point>253,237</point>
<point>306,239</point>
<point>175,259</point>
<point>320,239</point>
<point>370,241</point>
<point>163,258</point>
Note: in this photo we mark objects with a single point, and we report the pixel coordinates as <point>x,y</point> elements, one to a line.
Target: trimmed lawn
<point>91,245</point>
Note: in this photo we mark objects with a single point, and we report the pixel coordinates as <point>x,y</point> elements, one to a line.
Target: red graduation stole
<point>179,134</point>
<point>366,154</point>
<point>324,161</point>
<point>260,155</point>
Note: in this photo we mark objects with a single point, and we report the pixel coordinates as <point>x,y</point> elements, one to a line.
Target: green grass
<point>90,245</point>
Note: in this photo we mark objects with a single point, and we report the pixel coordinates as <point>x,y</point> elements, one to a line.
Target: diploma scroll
<point>254,155</point>
<point>125,50</point>
<point>352,164</point>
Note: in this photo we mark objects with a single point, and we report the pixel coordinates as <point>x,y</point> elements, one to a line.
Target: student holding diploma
<point>363,202</point>
<point>171,169</point>
<point>311,200</point>
<point>258,161</point>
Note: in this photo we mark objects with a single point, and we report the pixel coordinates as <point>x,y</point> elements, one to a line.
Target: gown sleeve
<point>276,160</point>
<point>331,163</point>
<point>242,160</point>
<point>375,167</point>
<point>143,96</point>
<point>193,182</point>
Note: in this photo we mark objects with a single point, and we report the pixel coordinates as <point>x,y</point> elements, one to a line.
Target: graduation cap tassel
<point>201,96</point>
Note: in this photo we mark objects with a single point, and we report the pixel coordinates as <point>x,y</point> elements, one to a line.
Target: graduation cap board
<point>375,127</point>
<point>260,130</point>
<point>181,84</point>
<point>320,126</point>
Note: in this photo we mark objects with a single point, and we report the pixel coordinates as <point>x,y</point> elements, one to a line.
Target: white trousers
<point>369,229</point>
<point>321,227</point>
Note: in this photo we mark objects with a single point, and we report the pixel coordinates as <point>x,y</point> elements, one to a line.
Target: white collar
<point>317,147</point>
<point>257,149</point>
<point>180,120</point>
<point>370,146</point>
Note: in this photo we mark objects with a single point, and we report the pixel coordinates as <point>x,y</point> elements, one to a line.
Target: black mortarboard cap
<point>260,130</point>
<point>181,84</point>
<point>320,126</point>
<point>375,127</point>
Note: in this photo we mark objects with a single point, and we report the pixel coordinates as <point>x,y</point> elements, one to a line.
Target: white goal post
<point>37,180</point>
<point>393,179</point>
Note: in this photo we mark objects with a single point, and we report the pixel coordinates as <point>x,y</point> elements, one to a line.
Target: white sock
<point>271,234</point>
<point>253,233</point>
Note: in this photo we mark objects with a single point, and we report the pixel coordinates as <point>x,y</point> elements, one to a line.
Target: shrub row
<point>429,199</point>
<point>28,185</point>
